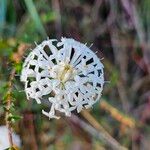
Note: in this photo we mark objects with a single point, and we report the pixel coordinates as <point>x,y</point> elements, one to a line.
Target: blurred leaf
<point>47,17</point>
<point>3,8</point>
<point>113,73</point>
<point>11,14</point>
<point>33,12</point>
<point>114,77</point>
<point>18,67</point>
<point>14,118</point>
<point>27,31</point>
<point>5,49</point>
<point>8,27</point>
<point>20,101</point>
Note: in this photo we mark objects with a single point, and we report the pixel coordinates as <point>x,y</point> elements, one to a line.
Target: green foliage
<point>3,8</point>
<point>33,12</point>
<point>18,67</point>
<point>14,118</point>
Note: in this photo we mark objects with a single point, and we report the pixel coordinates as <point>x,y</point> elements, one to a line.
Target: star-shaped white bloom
<point>66,74</point>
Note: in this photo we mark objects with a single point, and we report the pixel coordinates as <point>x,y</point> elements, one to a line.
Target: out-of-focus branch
<point>102,28</point>
<point>8,106</point>
<point>103,134</point>
<point>139,83</point>
<point>95,10</point>
<point>123,96</point>
<point>8,115</point>
<point>56,8</point>
<point>121,61</point>
<point>28,124</point>
<point>141,35</point>
<point>116,114</point>
<point>130,8</point>
<point>120,58</point>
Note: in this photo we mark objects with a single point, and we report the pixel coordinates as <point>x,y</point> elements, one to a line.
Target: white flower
<point>68,76</point>
<point>4,140</point>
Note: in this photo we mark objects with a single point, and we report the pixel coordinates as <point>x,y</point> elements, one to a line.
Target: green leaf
<point>33,12</point>
<point>18,67</point>
<point>3,8</point>
<point>14,118</point>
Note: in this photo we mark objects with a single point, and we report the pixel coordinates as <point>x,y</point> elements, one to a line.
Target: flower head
<point>68,76</point>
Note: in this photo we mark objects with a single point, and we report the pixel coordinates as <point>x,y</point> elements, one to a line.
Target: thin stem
<point>104,134</point>
<point>8,105</point>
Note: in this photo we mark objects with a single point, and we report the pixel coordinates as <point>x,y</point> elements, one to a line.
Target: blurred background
<point>119,31</point>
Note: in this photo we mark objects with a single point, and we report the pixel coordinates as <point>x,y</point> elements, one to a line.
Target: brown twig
<point>21,49</point>
<point>97,132</point>
<point>117,115</point>
<point>8,106</point>
<point>105,135</point>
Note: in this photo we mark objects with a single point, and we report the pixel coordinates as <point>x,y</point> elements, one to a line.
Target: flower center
<point>63,71</point>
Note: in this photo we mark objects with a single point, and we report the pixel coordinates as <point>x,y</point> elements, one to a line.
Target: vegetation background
<point>120,33</point>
